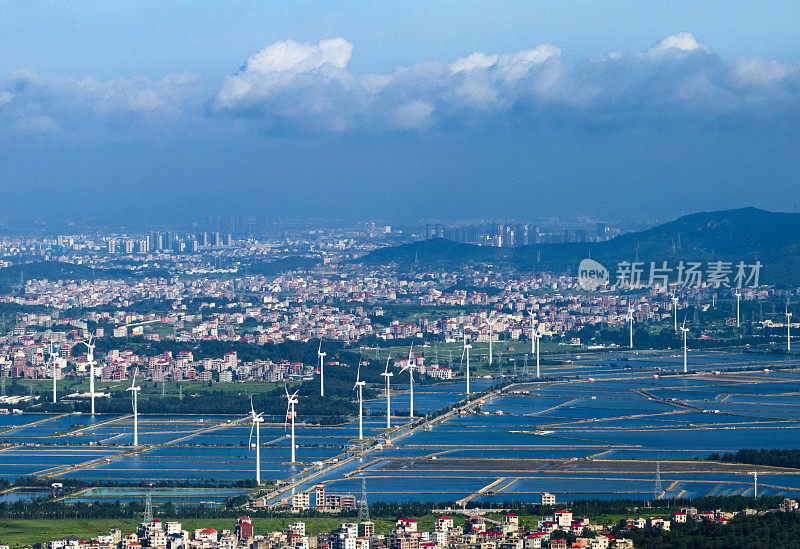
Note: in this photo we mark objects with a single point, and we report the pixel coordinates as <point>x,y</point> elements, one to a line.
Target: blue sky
<point>398,110</point>
<point>110,39</point>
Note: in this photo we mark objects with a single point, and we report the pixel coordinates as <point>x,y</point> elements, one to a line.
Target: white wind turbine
<point>788,330</point>
<point>256,420</point>
<point>491,332</point>
<point>629,318</point>
<point>538,336</point>
<point>359,386</point>
<point>90,362</point>
<point>738,299</point>
<point>54,362</point>
<point>291,400</point>
<point>410,369</point>
<point>533,338</point>
<point>675,312</point>
<point>321,357</point>
<point>134,389</point>
<point>685,330</point>
<point>387,374</point>
<point>467,347</point>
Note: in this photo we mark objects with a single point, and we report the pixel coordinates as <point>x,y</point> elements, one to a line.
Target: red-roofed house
<point>444,524</point>
<point>406,524</point>
<point>206,534</point>
<point>563,518</point>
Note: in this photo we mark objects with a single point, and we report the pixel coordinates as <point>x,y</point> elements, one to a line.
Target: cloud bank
<point>307,88</point>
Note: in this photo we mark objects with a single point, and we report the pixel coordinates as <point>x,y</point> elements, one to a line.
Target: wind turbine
<point>410,369</point>
<point>359,386</point>
<point>538,336</point>
<point>675,312</point>
<point>291,400</point>
<point>467,347</point>
<point>51,357</point>
<point>533,339</point>
<point>629,317</point>
<point>387,374</point>
<point>685,330</point>
<point>90,361</point>
<point>491,329</point>
<point>134,389</point>
<point>788,331</point>
<point>256,420</point>
<point>321,357</point>
<point>738,299</point>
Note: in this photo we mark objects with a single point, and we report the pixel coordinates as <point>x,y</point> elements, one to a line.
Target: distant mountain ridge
<point>746,234</point>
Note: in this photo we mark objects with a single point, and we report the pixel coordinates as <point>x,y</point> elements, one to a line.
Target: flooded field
<point>608,427</point>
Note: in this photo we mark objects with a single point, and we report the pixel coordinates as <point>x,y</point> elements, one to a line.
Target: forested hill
<point>744,234</point>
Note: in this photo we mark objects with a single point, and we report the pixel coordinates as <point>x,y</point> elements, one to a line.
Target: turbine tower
<point>755,484</point>
<point>467,347</point>
<point>134,389</point>
<point>321,357</point>
<point>410,369</point>
<point>788,331</point>
<point>90,362</point>
<point>387,374</point>
<point>291,400</point>
<point>533,337</point>
<point>684,329</point>
<point>675,312</point>
<point>52,358</point>
<point>538,337</point>
<point>359,386</point>
<point>629,318</point>
<point>491,330</point>
<point>256,420</point>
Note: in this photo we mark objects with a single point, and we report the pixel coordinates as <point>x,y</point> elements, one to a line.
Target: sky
<point>397,111</point>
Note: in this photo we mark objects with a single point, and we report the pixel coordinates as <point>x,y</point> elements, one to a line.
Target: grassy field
<point>17,533</point>
<point>73,384</point>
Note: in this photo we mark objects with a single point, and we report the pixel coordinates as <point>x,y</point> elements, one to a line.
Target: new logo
<point>592,275</point>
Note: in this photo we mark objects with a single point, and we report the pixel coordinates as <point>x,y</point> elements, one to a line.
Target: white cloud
<point>756,71</point>
<point>412,115</point>
<point>292,56</point>
<point>472,62</point>
<point>306,87</point>
<point>682,41</point>
<point>64,105</point>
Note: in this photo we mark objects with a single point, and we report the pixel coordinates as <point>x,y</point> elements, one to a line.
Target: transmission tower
<point>148,509</point>
<point>163,388</point>
<point>180,391</point>
<point>363,508</point>
<point>657,484</point>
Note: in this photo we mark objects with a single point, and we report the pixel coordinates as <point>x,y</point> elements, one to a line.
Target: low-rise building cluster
<point>477,532</point>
